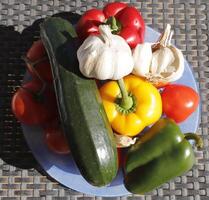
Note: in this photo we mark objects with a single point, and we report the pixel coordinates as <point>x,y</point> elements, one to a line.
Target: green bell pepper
<point>160,155</point>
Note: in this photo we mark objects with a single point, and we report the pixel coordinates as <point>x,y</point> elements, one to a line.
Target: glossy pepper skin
<point>160,155</point>
<point>130,24</point>
<point>148,105</point>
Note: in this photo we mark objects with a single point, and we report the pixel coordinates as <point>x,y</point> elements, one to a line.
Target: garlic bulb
<point>105,56</point>
<point>160,62</point>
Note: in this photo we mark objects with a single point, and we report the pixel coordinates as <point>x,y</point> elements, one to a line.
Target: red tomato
<point>31,108</point>
<point>179,101</point>
<point>37,59</point>
<point>55,139</point>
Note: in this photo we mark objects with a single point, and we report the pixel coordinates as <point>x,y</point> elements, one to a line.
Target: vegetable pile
<point>99,87</point>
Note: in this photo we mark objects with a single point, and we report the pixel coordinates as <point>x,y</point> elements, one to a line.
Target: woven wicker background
<point>20,175</point>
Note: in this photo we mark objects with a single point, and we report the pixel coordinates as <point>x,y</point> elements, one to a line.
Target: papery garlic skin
<point>123,141</point>
<point>106,56</point>
<point>142,55</point>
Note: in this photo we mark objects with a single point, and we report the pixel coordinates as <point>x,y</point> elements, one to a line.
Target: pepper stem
<point>126,101</point>
<point>115,26</point>
<point>197,138</point>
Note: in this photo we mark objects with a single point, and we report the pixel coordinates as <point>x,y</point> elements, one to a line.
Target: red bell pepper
<point>124,20</point>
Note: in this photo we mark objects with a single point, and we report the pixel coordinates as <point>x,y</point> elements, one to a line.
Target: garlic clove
<point>154,62</point>
<point>122,66</point>
<point>87,55</point>
<point>161,59</point>
<point>103,67</point>
<point>142,55</point>
<point>178,64</point>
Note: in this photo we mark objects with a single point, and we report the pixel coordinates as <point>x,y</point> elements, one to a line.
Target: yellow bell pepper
<point>131,105</point>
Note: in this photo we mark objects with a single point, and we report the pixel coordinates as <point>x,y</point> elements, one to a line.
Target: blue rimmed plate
<point>62,167</point>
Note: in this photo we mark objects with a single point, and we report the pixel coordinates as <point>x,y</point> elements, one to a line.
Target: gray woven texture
<point>190,21</point>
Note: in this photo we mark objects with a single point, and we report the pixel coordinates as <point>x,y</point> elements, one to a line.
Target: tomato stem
<point>197,138</point>
<point>126,101</point>
<point>31,65</point>
<point>38,96</point>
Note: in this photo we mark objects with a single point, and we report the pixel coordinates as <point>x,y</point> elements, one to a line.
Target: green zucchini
<point>82,114</point>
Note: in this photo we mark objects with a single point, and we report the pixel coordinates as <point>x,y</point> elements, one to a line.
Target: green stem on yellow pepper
<point>126,101</point>
<point>197,138</point>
